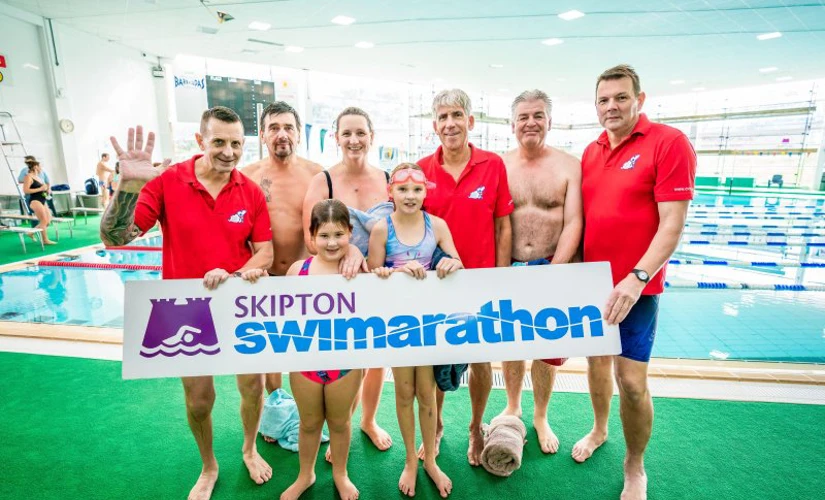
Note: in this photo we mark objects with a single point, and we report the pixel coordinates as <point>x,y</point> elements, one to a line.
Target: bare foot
<point>259,470</point>
<point>548,441</point>
<point>635,483</point>
<point>345,488</point>
<point>377,435</point>
<point>475,448</point>
<point>206,483</point>
<point>50,242</point>
<point>407,482</point>
<point>439,433</point>
<point>587,445</point>
<point>516,412</point>
<point>298,487</point>
<point>328,455</point>
<point>442,482</point>
<point>269,439</point>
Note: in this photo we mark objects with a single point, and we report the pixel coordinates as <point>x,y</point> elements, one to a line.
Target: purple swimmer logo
<point>175,329</point>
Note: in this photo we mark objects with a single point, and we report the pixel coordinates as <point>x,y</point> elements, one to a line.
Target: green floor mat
<point>86,232</point>
<point>72,429</point>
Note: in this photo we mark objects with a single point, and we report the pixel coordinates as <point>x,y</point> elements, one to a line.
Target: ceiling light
<point>497,66</point>
<point>259,26</point>
<point>784,78</point>
<point>698,89</point>
<point>293,48</point>
<point>31,66</point>
<point>768,36</point>
<point>365,45</point>
<point>209,30</point>
<point>264,42</point>
<point>343,20</point>
<point>770,69</point>
<point>677,82</point>
<point>571,14</point>
<point>553,41</point>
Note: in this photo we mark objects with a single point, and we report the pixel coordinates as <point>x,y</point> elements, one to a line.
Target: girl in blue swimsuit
<point>405,241</point>
<point>325,395</point>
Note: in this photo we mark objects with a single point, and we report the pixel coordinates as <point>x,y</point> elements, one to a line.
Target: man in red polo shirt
<point>473,197</point>
<point>637,182</point>
<point>210,214</point>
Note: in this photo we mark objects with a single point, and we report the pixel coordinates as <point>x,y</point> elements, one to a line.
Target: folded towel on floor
<point>503,445</point>
<point>280,420</point>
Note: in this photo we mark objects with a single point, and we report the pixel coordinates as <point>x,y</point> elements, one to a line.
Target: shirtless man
<point>284,178</point>
<point>103,172</point>
<point>547,224</point>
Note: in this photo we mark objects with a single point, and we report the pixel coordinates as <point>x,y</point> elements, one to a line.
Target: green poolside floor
<point>86,232</point>
<point>72,429</point>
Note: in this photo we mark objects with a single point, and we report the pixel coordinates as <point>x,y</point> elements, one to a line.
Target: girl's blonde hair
<point>402,166</point>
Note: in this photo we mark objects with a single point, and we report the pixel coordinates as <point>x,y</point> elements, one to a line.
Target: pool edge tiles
<point>61,332</point>
<point>732,371</point>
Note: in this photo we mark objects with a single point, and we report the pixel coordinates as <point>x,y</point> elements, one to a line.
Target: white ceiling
<point>709,44</point>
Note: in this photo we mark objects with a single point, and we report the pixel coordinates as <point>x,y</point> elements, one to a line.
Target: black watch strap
<point>642,275</point>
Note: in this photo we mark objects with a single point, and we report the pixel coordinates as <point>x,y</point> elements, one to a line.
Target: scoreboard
<point>243,96</point>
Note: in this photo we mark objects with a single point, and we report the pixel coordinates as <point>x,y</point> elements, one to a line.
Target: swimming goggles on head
<point>410,174</point>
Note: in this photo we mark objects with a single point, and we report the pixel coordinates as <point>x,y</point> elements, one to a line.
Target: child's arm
<point>378,245</point>
<point>445,240</point>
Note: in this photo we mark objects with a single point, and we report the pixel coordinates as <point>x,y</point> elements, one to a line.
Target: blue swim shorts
<point>639,329</point>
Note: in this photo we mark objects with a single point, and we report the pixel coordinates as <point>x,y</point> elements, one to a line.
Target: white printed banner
<point>178,328</point>
<point>190,97</point>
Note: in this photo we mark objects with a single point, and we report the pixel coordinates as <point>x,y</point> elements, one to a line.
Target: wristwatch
<point>641,274</point>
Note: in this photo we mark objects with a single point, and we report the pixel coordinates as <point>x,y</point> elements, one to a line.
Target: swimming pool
<point>697,321</point>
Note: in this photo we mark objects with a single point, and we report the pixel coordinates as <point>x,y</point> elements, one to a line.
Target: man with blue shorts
<point>637,182</point>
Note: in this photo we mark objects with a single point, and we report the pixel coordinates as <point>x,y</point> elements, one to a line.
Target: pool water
<point>694,323</point>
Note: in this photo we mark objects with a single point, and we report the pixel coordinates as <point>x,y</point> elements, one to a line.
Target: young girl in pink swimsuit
<point>325,395</point>
<point>406,241</point>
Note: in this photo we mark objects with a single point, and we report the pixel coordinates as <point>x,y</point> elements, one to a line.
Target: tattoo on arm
<point>117,226</point>
<point>265,185</point>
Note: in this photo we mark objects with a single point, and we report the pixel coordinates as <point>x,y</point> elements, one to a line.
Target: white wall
<point>107,88</point>
<point>25,92</point>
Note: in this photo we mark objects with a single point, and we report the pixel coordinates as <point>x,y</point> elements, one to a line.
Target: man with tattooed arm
<point>284,178</point>
<point>202,203</point>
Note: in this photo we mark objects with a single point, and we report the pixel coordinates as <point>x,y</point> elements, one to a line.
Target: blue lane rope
<point>709,262</point>
<point>710,285</point>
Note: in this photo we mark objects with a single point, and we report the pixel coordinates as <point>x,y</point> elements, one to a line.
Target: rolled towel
<point>503,445</point>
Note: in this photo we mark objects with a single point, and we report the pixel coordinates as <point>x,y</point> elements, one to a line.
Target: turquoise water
<point>758,325</point>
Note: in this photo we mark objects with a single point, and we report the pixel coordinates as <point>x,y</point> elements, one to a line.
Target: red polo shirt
<point>471,204</point>
<point>621,190</point>
<point>201,233</point>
